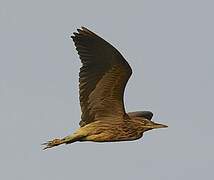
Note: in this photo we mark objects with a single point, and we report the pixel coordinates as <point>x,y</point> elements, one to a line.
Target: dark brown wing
<point>103,77</point>
<point>145,114</point>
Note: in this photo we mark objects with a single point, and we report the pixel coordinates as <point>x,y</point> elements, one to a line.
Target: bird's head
<point>146,124</point>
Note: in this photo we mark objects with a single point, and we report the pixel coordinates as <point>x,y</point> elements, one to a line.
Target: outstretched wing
<point>102,78</point>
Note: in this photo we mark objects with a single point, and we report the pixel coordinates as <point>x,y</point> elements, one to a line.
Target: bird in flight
<point>102,80</point>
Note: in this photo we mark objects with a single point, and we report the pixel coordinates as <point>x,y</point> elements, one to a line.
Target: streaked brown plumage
<point>103,77</point>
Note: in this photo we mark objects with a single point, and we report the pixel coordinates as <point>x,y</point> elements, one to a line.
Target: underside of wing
<point>102,78</point>
<point>145,114</point>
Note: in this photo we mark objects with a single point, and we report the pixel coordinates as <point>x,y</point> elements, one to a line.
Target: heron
<point>102,80</point>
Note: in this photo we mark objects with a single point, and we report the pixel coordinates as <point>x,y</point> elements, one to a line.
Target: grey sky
<point>169,45</point>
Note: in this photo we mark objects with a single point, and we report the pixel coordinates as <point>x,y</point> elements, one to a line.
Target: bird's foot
<point>53,143</point>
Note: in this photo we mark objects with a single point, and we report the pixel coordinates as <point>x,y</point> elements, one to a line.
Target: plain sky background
<point>170,47</point>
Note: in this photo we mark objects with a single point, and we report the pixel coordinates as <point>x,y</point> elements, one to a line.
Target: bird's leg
<point>66,140</point>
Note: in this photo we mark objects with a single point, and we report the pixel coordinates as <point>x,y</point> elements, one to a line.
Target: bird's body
<point>116,129</point>
<point>103,78</point>
<point>106,131</point>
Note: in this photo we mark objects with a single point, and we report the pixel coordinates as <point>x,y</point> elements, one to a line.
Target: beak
<point>156,126</point>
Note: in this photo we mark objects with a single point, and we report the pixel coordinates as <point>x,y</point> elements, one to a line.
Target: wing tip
<point>82,31</point>
<point>79,31</point>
